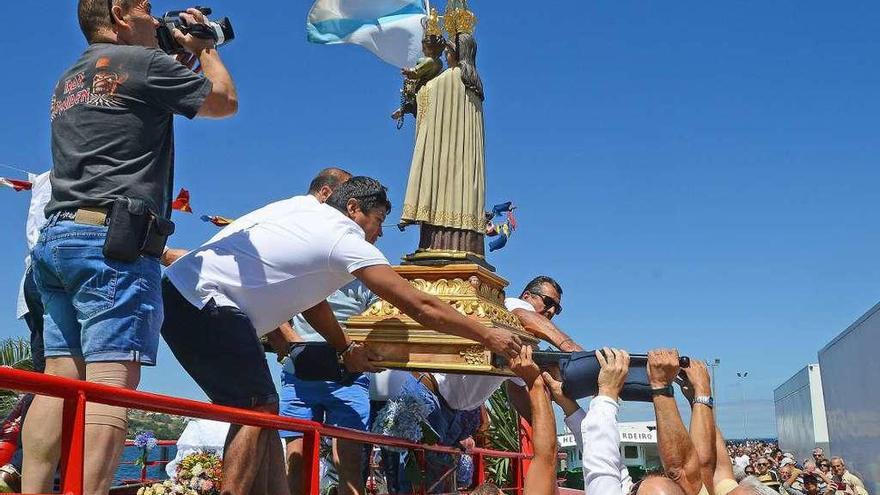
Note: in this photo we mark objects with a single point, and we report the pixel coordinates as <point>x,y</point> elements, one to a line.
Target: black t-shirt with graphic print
<point>112,126</point>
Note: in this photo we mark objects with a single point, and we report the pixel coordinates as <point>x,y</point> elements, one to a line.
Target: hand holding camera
<point>190,31</point>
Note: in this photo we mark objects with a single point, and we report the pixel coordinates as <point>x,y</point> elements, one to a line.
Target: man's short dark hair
<point>535,284</point>
<point>330,177</point>
<point>95,15</point>
<point>368,192</point>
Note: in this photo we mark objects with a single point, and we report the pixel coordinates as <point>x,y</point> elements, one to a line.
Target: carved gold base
<point>470,289</point>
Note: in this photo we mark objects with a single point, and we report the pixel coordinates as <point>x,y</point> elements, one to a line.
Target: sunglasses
<point>549,302</point>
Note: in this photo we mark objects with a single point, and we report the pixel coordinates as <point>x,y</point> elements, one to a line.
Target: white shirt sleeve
<point>573,423</point>
<point>352,252</point>
<point>603,467</point>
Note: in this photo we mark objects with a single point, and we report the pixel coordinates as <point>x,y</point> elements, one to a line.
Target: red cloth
<point>181,203</point>
<point>18,185</point>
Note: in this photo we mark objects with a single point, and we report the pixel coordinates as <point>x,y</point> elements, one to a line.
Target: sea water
<point>129,471</point>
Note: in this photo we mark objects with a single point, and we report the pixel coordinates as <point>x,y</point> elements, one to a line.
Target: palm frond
<point>15,353</point>
<point>503,435</point>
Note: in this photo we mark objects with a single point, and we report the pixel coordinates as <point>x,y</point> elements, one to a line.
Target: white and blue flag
<point>392,29</point>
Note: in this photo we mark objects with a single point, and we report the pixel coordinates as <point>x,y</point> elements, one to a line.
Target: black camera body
<point>220,31</point>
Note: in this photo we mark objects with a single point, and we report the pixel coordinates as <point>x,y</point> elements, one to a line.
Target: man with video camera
<point>96,262</point>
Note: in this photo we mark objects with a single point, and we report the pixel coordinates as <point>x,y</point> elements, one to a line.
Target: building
<point>800,413</point>
<point>638,446</point>
<point>850,368</point>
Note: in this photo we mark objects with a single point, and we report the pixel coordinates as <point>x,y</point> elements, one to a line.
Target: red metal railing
<point>163,459</point>
<point>76,392</point>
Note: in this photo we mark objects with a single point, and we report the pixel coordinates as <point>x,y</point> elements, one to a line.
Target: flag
<point>217,220</point>
<point>181,203</point>
<point>501,240</point>
<point>18,185</point>
<point>391,29</point>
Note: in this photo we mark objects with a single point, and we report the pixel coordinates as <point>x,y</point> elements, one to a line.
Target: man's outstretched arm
<point>677,453</point>
<point>542,328</point>
<point>696,383</point>
<point>541,478</point>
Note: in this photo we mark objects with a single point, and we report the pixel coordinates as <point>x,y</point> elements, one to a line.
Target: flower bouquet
<point>197,474</point>
<point>145,441</point>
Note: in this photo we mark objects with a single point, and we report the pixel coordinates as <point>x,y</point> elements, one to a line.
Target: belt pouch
<point>126,230</point>
<point>158,230</point>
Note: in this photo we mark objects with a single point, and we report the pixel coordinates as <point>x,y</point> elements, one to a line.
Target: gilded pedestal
<point>405,344</point>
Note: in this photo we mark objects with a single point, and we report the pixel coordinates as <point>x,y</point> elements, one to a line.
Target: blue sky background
<point>696,174</point>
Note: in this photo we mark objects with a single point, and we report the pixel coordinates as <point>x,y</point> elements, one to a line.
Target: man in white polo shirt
<point>260,271</point>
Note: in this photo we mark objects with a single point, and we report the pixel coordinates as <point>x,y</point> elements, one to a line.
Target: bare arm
<point>723,466</point>
<point>432,312</point>
<point>222,101</point>
<point>541,478</point>
<point>677,452</point>
<point>697,383</point>
<point>170,255</point>
<point>357,357</point>
<point>281,338</point>
<point>542,328</point>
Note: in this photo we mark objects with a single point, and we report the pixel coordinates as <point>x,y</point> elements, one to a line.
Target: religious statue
<point>445,193</point>
<point>426,68</point>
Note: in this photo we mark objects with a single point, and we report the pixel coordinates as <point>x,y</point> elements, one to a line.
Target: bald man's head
<point>326,181</point>
<point>659,485</point>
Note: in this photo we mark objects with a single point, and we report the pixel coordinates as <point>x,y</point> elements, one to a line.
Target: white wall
<point>850,367</point>
<point>800,416</point>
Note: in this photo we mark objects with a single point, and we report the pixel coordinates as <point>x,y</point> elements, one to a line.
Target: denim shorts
<point>325,402</point>
<point>219,348</point>
<point>96,308</point>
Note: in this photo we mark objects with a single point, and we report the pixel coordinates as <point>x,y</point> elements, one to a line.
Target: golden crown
<point>432,24</point>
<point>458,18</point>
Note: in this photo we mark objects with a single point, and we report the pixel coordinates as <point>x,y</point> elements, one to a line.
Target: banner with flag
<point>18,185</point>
<point>391,29</point>
<point>217,220</point>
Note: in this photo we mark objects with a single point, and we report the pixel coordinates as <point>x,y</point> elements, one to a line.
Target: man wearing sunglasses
<point>539,302</point>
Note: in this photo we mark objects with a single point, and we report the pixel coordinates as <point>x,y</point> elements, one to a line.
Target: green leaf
<point>411,469</point>
<point>428,435</point>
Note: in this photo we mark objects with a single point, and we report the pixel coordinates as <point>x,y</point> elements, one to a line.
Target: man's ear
<point>116,16</point>
<point>352,207</point>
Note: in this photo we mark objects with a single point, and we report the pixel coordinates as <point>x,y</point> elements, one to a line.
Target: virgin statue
<point>445,193</point>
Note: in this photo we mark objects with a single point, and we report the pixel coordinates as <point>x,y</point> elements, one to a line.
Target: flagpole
<point>17,169</point>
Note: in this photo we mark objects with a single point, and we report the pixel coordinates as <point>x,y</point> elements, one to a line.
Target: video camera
<point>219,31</point>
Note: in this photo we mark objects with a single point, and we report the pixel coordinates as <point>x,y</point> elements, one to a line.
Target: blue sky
<point>699,175</point>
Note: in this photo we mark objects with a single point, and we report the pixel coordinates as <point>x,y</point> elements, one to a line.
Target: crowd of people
<point>785,474</point>
<point>102,287</point>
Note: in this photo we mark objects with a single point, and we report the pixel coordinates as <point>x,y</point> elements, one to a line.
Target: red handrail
<point>76,392</point>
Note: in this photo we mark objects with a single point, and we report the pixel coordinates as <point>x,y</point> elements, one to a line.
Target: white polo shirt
<point>468,392</point>
<point>276,262</point>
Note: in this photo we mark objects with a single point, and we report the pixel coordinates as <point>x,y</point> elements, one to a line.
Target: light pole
<point>742,389</point>
<point>714,364</point>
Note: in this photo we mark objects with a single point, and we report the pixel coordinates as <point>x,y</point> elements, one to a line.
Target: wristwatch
<point>705,400</point>
<point>667,391</point>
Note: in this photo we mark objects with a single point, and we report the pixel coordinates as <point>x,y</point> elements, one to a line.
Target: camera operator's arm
<point>695,382</point>
<point>542,328</point>
<point>677,453</point>
<point>222,101</point>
